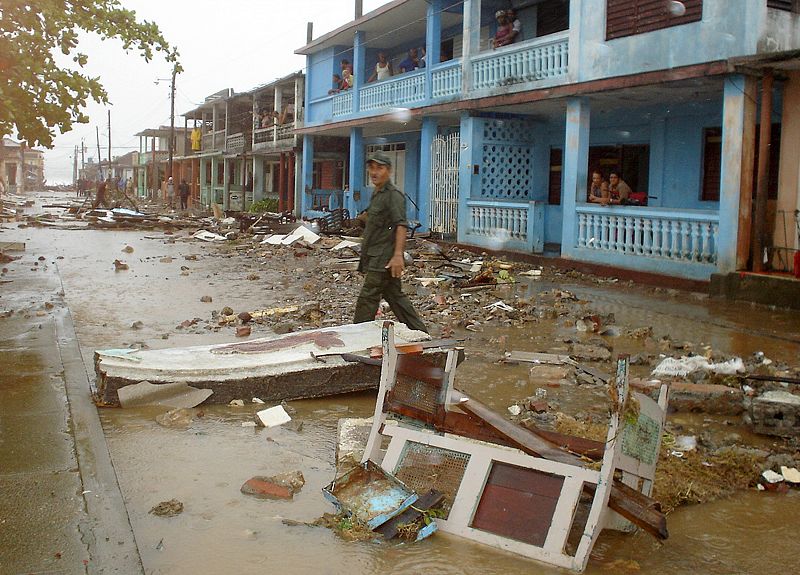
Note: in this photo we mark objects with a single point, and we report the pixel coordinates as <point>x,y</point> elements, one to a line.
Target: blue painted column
<point>658,142</point>
<point>307,173</point>
<point>433,45</point>
<point>467,179</point>
<point>429,128</point>
<point>355,199</point>
<point>359,69</point>
<point>576,167</point>
<point>734,110</point>
<point>470,41</point>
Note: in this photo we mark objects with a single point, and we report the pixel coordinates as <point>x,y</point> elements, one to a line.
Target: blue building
<point>495,145</point>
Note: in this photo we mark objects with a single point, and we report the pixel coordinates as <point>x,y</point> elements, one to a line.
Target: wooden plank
<point>535,357</point>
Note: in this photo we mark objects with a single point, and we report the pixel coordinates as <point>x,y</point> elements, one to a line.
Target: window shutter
<point>629,17</point>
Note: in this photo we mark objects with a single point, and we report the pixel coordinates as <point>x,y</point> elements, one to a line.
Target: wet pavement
<point>221,530</point>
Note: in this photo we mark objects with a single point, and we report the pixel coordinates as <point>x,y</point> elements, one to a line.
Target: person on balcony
<point>347,78</point>
<point>423,54</point>
<point>382,247</point>
<point>411,62</point>
<point>337,85</point>
<point>516,25</point>
<point>287,115</point>
<point>619,191</point>
<point>598,189</point>
<point>503,36</point>
<point>383,69</point>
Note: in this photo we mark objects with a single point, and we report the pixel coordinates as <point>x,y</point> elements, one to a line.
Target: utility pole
<point>75,167</point>
<point>83,155</point>
<point>171,121</point>
<point>109,145</point>
<point>99,157</point>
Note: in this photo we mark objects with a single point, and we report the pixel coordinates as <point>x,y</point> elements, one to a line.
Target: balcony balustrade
<point>688,236</point>
<point>521,63</point>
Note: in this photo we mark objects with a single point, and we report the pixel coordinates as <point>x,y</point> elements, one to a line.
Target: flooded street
<point>223,531</point>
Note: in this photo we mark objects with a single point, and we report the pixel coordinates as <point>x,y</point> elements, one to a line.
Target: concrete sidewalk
<point>61,510</point>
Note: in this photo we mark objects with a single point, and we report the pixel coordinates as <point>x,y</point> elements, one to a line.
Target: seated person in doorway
<point>503,36</point>
<point>411,62</point>
<point>383,69</point>
<point>619,191</point>
<point>598,189</point>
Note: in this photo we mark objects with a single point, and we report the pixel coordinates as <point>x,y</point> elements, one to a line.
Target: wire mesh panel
<point>423,467</point>
<point>445,152</point>
<point>415,393</point>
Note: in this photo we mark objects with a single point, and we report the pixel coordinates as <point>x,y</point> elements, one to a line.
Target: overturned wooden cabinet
<point>507,486</point>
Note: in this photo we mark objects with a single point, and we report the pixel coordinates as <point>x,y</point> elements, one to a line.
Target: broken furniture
<point>507,486</point>
<point>298,365</point>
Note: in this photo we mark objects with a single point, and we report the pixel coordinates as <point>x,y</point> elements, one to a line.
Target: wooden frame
<point>560,467</point>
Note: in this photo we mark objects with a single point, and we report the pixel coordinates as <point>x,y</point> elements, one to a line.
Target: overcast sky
<point>235,44</point>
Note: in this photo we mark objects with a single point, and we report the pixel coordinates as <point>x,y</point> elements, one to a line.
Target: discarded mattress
<point>298,365</point>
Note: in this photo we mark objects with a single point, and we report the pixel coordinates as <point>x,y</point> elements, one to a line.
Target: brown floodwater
<point>223,531</point>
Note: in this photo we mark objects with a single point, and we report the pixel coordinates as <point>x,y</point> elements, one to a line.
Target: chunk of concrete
<point>774,413</point>
<point>273,416</point>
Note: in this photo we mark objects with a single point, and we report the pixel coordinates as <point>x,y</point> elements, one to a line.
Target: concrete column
<point>789,171</point>
<point>576,168</point>
<point>214,175</point>
<point>470,41</point>
<point>359,69</point>
<point>307,178</point>
<point>433,45</point>
<point>214,127</point>
<point>282,183</point>
<point>430,126</point>
<point>357,199</point>
<point>469,177</point>
<point>278,102</point>
<point>762,185</point>
<point>733,126</point>
<point>658,140</point>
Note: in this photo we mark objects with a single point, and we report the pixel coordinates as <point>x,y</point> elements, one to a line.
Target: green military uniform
<point>386,211</point>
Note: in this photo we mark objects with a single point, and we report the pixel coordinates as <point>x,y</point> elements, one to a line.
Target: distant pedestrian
<point>382,248</point>
<point>100,198</point>
<point>170,192</point>
<point>183,192</point>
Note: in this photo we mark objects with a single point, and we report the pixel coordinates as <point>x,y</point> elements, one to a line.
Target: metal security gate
<point>444,184</point>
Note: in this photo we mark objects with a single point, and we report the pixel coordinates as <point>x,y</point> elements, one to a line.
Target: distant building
<point>21,167</point>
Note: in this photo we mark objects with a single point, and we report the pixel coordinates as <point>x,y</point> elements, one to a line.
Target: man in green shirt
<point>382,249</point>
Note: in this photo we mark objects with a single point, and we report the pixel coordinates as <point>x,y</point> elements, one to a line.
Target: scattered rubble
<point>282,486</point>
<point>169,508</point>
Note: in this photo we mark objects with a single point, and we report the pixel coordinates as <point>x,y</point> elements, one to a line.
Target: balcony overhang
<point>405,16</point>
<point>685,84</point>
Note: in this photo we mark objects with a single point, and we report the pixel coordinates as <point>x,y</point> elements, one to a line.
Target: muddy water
<point>223,531</point>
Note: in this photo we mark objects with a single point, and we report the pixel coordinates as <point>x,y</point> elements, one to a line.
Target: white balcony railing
<point>402,90</point>
<point>526,62</point>
<point>684,236</point>
<point>446,79</point>
<point>505,225</point>
<point>343,103</point>
<point>235,142</point>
